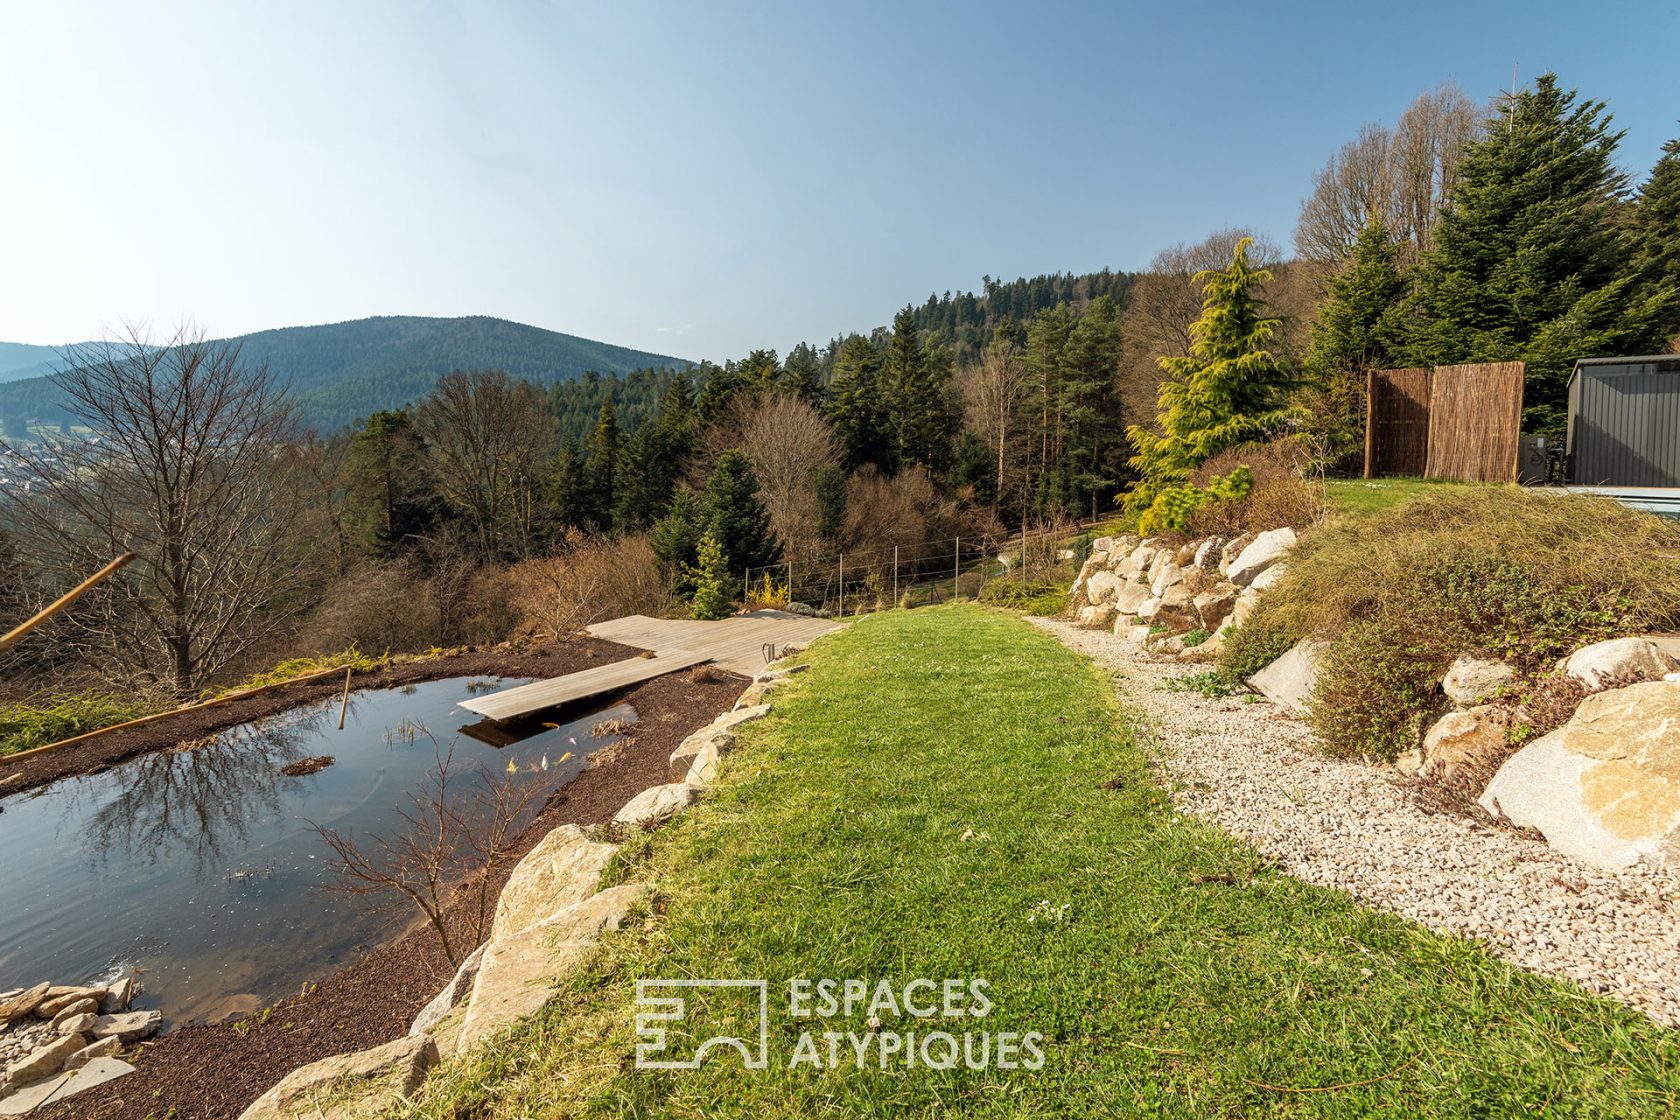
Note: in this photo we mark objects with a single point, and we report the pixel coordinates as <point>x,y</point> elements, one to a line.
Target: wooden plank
<point>552,693</point>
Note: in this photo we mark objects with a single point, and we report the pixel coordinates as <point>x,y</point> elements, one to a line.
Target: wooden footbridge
<point>742,644</point>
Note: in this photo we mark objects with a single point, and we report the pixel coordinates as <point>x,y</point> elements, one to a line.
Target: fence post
<point>746,586</point>
<point>842,611</point>
<point>790,583</point>
<point>895,575</point>
<point>1023,552</point>
<point>956,573</point>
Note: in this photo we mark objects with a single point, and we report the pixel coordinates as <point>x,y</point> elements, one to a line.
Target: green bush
<point>24,726</point>
<point>1044,599</point>
<point>1175,508</point>
<point>1252,647</point>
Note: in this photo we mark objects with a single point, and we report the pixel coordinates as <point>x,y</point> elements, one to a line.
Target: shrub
<point>1373,691</point>
<point>1280,492</point>
<point>26,725</point>
<point>711,581</point>
<point>1048,600</point>
<point>351,658</point>
<point>767,594</point>
<point>1252,647</point>
<point>592,579</point>
<point>1174,509</point>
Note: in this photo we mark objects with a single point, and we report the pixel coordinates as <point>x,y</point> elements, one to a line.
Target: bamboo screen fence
<point>1460,422</point>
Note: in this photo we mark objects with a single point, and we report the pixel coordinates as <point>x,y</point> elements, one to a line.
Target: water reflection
<point>202,866</point>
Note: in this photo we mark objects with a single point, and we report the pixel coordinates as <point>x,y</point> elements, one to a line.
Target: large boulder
<point>1290,679</point>
<point>1624,659</point>
<point>453,993</point>
<point>1214,607</point>
<point>657,804</point>
<point>1165,576</point>
<point>1206,556</point>
<point>719,736</point>
<point>1103,587</point>
<point>1604,787</point>
<point>1097,616</point>
<point>19,1004</point>
<point>1470,680</point>
<point>357,1086</point>
<point>562,870</point>
<point>1264,551</point>
<point>1460,745</point>
<point>521,972</point>
<point>1231,549</point>
<point>127,1025</point>
<point>1131,597</point>
<point>45,1060</point>
<point>1246,602</point>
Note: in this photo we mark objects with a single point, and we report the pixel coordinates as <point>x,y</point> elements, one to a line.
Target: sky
<point>700,179</point>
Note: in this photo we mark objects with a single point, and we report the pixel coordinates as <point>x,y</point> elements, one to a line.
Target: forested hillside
<point>342,372</point>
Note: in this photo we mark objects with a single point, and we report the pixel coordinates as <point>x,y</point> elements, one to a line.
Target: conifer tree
<point>563,499</point>
<point>916,381</point>
<point>736,516</point>
<point>1655,235</point>
<point>855,405</point>
<point>676,541</point>
<point>712,579</point>
<point>1529,262</point>
<point>1089,408</point>
<point>391,499</point>
<point>1228,390</point>
<point>600,471</point>
<point>801,375</point>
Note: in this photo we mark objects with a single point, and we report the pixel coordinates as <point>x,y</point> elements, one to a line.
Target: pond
<point>202,868</point>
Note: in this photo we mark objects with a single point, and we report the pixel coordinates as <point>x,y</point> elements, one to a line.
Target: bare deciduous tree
<point>184,466</point>
<point>992,394</point>
<point>788,442</point>
<point>445,839</point>
<point>1401,176</point>
<point>489,442</point>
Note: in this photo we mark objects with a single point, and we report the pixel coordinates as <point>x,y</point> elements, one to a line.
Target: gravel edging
<point>1252,768</point>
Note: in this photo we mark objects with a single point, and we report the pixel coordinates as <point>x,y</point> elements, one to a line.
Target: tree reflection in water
<point>202,797</point>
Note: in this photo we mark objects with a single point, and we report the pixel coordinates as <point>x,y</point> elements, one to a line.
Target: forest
<point>497,508</point>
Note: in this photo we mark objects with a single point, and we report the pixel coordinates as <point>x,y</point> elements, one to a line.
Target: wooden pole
<point>14,635</point>
<point>1370,416</point>
<point>1023,552</point>
<point>842,611</point>
<point>895,575</point>
<point>790,583</point>
<point>956,572</point>
<point>344,705</point>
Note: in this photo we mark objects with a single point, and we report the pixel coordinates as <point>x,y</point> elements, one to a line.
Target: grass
<point>25,725</point>
<point>1359,495</point>
<point>351,658</point>
<point>950,794</point>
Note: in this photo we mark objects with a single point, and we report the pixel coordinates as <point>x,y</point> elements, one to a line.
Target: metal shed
<point>1624,421</point>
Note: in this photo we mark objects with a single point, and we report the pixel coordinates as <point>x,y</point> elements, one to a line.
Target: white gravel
<point>1252,768</point>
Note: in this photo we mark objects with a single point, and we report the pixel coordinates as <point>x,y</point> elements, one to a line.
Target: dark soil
<point>213,1071</point>
<point>105,750</point>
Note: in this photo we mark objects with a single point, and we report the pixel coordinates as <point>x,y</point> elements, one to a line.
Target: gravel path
<point>1252,768</point>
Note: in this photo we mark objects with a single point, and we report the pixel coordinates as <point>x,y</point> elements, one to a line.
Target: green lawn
<point>1183,977</point>
<point>1358,495</point>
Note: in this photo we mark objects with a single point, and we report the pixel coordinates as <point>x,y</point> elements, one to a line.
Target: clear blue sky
<point>699,178</point>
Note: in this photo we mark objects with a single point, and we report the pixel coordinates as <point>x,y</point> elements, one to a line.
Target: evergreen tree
<point>1227,391</point>
<point>563,500</point>
<point>916,378</point>
<point>391,499</point>
<point>758,372</point>
<point>855,405</point>
<point>638,491</point>
<point>1655,235</point>
<point>1047,339</point>
<point>712,579</point>
<point>676,541</point>
<point>802,374</point>
<point>599,473</point>
<point>829,485</point>
<point>1528,262</point>
<point>717,388</point>
<point>1090,409</point>
<point>736,516</point>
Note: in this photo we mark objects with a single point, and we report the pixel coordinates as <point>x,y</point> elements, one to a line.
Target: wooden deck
<point>739,645</point>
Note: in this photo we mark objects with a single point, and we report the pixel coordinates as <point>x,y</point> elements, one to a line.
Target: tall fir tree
<point>916,379</point>
<point>855,405</point>
<point>1090,409</point>
<point>563,501</point>
<point>391,499</point>
<point>802,374</point>
<point>736,516</point>
<point>600,471</point>
<point>1655,234</point>
<point>1228,390</point>
<point>1529,261</point>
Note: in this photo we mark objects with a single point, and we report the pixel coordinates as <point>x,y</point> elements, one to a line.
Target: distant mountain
<point>341,372</point>
<point>19,360</point>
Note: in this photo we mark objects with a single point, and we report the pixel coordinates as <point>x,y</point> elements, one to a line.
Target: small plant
<point>1158,628</point>
<point>767,594</point>
<point>1211,684</point>
<point>26,725</point>
<point>611,728</point>
<point>1196,637</point>
<point>350,657</point>
<point>710,576</point>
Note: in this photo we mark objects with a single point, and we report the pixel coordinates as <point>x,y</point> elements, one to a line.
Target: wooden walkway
<point>738,645</point>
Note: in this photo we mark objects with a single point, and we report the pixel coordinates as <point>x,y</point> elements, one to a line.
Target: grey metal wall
<point>1624,425</point>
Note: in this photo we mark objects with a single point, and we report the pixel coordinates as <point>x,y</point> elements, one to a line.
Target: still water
<point>201,868</point>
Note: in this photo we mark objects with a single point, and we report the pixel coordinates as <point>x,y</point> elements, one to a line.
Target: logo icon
<point>663,1005</point>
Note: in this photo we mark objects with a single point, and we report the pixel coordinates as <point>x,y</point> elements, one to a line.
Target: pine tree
<point>718,387</point>
<point>855,405</point>
<point>676,541</point>
<point>1528,262</point>
<point>1357,330</point>
<point>563,501</point>
<point>736,516</point>
<point>599,472</point>
<point>1655,234</point>
<point>1227,391</point>
<point>1089,408</point>
<point>391,499</point>
<point>801,375</point>
<point>916,380</point>
<point>712,579</point>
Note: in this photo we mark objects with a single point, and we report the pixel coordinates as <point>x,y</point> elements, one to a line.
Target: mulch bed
<point>213,1071</point>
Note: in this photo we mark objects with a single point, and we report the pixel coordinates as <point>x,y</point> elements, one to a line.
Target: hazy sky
<point>700,178</point>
